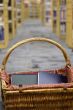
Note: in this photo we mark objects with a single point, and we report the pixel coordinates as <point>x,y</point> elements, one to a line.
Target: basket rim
<point>37,87</point>
<point>63,71</point>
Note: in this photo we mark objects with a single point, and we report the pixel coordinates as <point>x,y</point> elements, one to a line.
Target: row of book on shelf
<point>2,22</point>
<point>62,15</point>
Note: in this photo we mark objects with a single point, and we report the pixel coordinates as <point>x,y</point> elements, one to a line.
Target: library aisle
<point>34,55</point>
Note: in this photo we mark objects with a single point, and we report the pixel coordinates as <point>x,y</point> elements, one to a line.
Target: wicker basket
<point>57,96</point>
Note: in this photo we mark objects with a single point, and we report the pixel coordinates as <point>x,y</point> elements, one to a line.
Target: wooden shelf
<point>69,27</point>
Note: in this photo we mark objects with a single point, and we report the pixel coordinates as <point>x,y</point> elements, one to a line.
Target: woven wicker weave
<point>38,97</point>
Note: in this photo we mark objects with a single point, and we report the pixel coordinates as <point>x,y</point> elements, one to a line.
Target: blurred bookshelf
<point>54,16</point>
<point>11,18</point>
<point>18,12</point>
<point>4,37</point>
<point>69,25</point>
<point>34,12</point>
<point>48,13</point>
<point>63,22</point>
<point>26,9</point>
<point>59,18</point>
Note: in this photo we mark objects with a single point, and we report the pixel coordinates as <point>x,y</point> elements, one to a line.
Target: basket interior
<point>37,78</point>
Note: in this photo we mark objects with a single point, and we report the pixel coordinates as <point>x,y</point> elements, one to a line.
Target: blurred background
<point>22,19</point>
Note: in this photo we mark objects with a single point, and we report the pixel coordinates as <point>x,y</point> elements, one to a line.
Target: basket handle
<point>31,40</point>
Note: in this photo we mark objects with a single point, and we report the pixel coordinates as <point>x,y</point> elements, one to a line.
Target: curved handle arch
<point>31,40</point>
